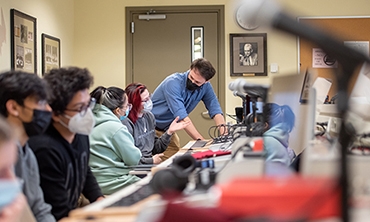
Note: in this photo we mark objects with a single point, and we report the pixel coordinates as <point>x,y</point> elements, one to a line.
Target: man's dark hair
<point>18,85</point>
<point>204,67</point>
<point>64,83</point>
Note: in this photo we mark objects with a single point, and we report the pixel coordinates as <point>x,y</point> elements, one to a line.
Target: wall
<point>100,35</point>
<point>54,17</point>
<point>92,33</point>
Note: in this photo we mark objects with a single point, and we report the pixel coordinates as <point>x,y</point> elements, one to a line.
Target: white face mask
<point>148,105</point>
<point>81,124</point>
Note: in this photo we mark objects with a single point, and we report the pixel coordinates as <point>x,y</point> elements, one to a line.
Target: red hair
<point>133,92</point>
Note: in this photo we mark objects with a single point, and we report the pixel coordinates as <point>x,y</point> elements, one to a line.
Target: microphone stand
<point>346,133</point>
<point>348,59</point>
<point>246,102</point>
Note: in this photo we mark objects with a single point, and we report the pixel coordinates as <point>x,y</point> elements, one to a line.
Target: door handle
<point>205,115</point>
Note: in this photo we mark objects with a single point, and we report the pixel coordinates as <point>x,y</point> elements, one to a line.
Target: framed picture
<point>50,53</point>
<point>248,54</point>
<point>23,41</point>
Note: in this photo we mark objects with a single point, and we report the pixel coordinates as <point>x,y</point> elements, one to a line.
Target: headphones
<point>176,177</point>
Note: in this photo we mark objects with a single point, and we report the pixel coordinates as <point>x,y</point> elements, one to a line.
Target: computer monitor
<point>286,90</point>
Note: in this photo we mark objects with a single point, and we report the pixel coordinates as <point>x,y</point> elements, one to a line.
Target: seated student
<point>8,155</point>
<point>23,103</point>
<point>141,124</point>
<point>280,122</point>
<point>112,147</point>
<point>274,125</point>
<point>63,150</point>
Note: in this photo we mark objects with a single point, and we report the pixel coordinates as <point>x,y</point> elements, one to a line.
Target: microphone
<point>241,95</point>
<point>240,86</point>
<point>268,12</point>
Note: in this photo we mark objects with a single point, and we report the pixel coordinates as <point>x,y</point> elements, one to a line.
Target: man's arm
<point>191,130</point>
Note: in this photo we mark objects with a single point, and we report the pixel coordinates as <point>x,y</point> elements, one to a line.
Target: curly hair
<point>112,97</point>
<point>134,91</point>
<point>17,86</point>
<point>64,83</point>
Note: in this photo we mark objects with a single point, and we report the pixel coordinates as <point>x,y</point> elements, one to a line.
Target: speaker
<point>174,179</point>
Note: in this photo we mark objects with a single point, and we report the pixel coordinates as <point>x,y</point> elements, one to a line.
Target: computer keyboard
<point>140,194</point>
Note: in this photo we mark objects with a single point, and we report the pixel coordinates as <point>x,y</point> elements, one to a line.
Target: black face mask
<point>191,86</point>
<point>40,121</point>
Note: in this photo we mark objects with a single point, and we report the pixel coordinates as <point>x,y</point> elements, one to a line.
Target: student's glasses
<point>83,109</point>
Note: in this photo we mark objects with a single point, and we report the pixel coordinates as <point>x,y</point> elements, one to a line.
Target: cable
<point>233,154</point>
<point>231,116</point>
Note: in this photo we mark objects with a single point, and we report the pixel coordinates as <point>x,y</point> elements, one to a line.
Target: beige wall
<point>54,17</point>
<point>100,35</point>
<point>92,33</point>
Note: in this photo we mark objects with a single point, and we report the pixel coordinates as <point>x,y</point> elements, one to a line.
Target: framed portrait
<point>248,54</point>
<point>50,53</point>
<point>23,41</point>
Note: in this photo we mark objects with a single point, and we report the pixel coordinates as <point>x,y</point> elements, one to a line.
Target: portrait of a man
<point>248,54</point>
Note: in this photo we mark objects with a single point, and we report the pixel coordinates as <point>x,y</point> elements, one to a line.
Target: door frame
<point>219,9</point>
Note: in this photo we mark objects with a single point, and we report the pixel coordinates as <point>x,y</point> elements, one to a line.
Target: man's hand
<point>177,125</point>
<point>157,158</point>
<point>223,129</point>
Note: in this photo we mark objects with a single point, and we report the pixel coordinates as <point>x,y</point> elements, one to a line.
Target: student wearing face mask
<point>63,151</point>
<point>23,103</point>
<point>112,148</point>
<point>141,124</point>
<point>12,201</point>
<point>179,94</point>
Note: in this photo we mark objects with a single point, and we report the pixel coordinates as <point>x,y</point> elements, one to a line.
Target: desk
<point>99,211</point>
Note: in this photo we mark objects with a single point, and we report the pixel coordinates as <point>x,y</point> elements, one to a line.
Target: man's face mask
<point>40,121</point>
<point>191,86</point>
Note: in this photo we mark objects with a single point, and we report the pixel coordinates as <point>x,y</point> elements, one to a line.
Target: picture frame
<point>248,54</point>
<point>23,38</point>
<point>197,42</point>
<point>50,53</point>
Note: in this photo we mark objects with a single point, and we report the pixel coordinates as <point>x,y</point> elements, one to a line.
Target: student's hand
<point>157,158</point>
<point>100,198</point>
<point>13,212</point>
<point>175,125</point>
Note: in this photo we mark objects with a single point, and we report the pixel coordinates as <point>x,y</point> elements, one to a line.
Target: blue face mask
<point>125,116</point>
<point>9,190</point>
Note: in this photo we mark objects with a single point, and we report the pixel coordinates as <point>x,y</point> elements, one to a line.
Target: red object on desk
<point>209,153</point>
<point>288,198</point>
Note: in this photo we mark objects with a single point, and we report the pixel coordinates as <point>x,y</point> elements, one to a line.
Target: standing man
<point>179,94</point>
<point>250,58</point>
<point>63,150</point>
<point>23,103</point>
